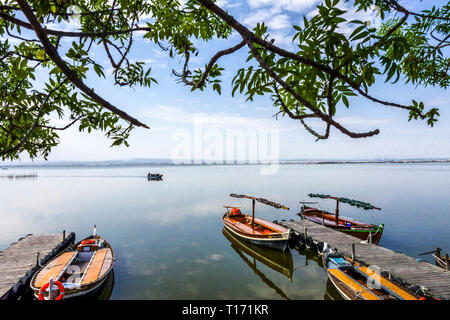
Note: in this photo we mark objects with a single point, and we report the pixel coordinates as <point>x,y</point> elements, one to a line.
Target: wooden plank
<point>53,269</point>
<point>107,263</point>
<point>95,267</point>
<point>389,285</point>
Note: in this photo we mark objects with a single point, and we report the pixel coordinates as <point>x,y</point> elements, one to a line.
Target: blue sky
<point>170,107</point>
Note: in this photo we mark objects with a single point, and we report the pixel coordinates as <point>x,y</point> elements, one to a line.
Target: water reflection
<point>106,290</point>
<point>277,260</point>
<point>311,256</point>
<point>331,293</point>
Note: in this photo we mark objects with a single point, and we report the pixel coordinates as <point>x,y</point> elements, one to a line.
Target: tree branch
<point>305,102</point>
<point>211,63</point>
<point>68,72</point>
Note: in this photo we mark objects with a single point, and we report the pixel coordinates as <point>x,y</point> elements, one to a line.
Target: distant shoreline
<point>94,164</point>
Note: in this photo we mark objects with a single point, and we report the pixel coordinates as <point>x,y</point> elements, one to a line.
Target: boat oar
<point>435,250</point>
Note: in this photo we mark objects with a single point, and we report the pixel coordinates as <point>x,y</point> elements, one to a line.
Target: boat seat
<point>93,270</point>
<point>53,268</point>
<point>354,285</point>
<point>388,285</point>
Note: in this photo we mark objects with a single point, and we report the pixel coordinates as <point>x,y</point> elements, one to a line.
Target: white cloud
<point>283,5</point>
<point>216,120</point>
<point>273,21</point>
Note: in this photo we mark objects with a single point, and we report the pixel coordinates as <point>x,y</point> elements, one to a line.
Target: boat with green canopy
<point>364,231</point>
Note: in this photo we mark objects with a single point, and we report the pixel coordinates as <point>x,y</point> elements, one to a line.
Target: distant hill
<point>166,162</point>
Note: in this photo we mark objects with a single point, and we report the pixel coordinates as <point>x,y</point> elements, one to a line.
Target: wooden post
<point>37,258</point>
<point>253,213</point>
<point>306,234</point>
<point>64,235</point>
<point>323,221</point>
<point>447,262</point>
<point>337,210</point>
<point>353,252</point>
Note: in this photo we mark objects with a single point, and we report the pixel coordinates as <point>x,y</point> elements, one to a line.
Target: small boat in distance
<point>80,270</point>
<point>154,176</point>
<point>364,231</point>
<point>256,230</point>
<point>357,282</point>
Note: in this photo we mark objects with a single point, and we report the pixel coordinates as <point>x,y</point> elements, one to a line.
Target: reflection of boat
<point>105,292</point>
<point>357,282</point>
<point>276,260</point>
<point>364,231</point>
<point>78,271</point>
<point>154,176</point>
<point>331,293</point>
<point>256,230</point>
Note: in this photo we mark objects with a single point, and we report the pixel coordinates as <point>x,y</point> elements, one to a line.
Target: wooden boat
<point>78,271</point>
<point>364,231</point>
<point>154,176</point>
<point>357,282</point>
<point>442,261</point>
<point>256,230</point>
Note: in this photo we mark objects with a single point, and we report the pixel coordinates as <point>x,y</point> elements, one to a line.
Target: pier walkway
<point>435,279</point>
<point>18,262</point>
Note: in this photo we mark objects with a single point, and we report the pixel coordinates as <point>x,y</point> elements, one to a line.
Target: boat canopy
<point>356,203</point>
<point>262,200</point>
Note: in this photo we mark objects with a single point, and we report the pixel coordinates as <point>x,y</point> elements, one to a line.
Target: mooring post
<point>353,252</point>
<point>64,235</point>
<point>306,234</point>
<point>37,258</point>
<point>323,221</point>
<point>447,262</point>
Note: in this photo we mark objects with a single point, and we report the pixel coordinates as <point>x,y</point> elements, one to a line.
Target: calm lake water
<point>168,236</point>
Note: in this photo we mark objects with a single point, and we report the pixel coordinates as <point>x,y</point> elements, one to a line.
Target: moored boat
<point>364,231</point>
<point>78,271</point>
<point>356,282</point>
<point>256,230</point>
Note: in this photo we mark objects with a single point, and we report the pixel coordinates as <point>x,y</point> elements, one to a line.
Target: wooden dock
<point>436,280</point>
<point>18,262</point>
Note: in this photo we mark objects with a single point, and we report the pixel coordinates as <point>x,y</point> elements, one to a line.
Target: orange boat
<point>256,230</point>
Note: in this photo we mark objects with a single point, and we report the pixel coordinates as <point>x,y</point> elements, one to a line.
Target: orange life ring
<point>45,286</point>
<point>90,241</point>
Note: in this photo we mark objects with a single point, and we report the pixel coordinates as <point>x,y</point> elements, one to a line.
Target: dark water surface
<point>168,236</point>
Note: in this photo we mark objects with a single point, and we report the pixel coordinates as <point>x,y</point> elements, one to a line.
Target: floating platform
<point>18,263</point>
<point>435,280</point>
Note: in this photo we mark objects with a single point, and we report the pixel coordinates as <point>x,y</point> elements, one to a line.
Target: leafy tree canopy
<point>326,68</point>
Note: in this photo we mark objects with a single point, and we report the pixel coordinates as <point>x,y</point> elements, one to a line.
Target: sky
<point>201,124</point>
